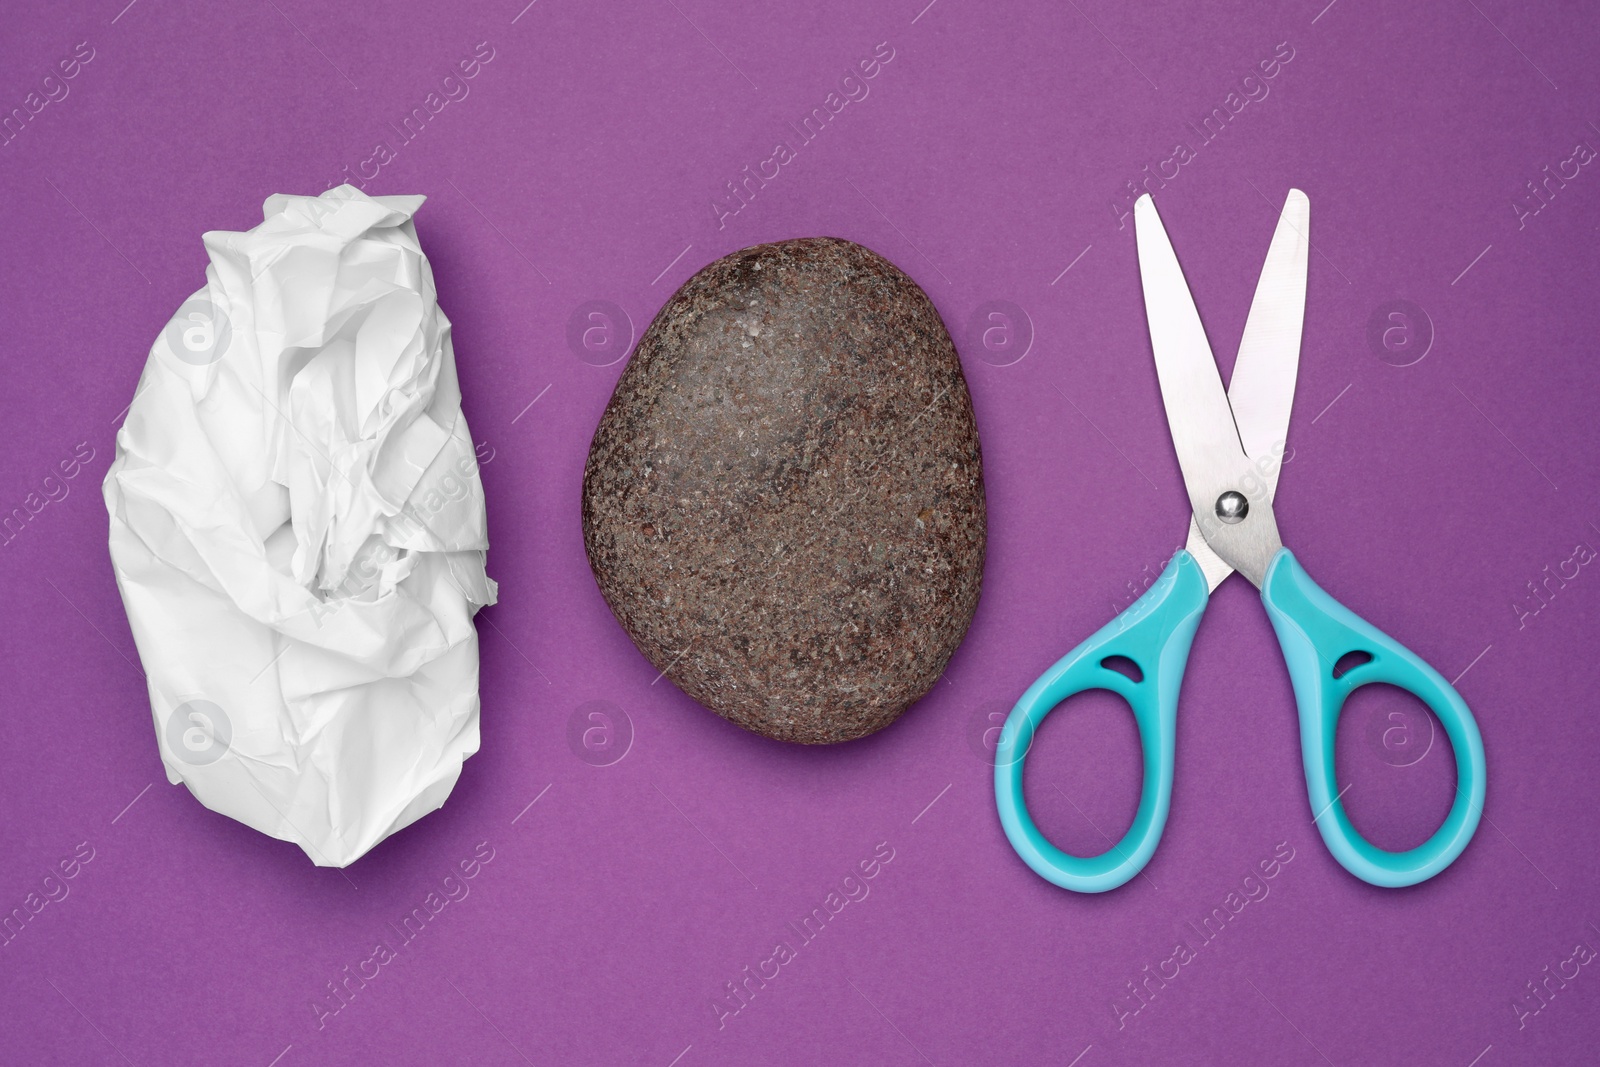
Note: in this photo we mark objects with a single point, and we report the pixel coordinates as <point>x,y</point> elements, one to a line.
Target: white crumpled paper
<point>297,528</point>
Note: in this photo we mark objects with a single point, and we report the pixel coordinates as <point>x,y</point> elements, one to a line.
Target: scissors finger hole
<point>1395,765</point>
<point>1077,781</point>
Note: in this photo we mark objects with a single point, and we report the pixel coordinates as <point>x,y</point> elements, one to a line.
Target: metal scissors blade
<point>1230,499</point>
<point>1261,391</point>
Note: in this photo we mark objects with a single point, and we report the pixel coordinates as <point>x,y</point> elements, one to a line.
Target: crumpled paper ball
<point>298,530</point>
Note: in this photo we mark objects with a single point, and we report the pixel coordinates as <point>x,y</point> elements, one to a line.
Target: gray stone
<point>783,503</point>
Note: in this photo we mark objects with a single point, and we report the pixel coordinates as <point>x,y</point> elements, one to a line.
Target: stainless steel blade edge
<point>1204,435</point>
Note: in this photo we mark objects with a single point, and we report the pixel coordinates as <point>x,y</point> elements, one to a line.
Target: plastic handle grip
<point>1315,631</point>
<point>1155,632</point>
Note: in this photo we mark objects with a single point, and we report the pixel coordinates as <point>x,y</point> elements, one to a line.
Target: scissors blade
<point>1261,391</point>
<point>1204,434</point>
<point>1211,564</point>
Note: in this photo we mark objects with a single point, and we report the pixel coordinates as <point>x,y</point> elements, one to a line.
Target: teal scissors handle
<point>1155,633</point>
<point>1315,631</point>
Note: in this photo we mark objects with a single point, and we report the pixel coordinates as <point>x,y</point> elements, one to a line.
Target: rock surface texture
<point>783,503</point>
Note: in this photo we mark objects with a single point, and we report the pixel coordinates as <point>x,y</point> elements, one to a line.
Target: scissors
<point>1229,445</point>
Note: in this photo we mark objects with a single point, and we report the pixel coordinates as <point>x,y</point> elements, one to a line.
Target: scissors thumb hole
<point>1083,778</point>
<point>1396,766</point>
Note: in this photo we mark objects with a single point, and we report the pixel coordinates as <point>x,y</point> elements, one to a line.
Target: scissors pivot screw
<point>1232,507</point>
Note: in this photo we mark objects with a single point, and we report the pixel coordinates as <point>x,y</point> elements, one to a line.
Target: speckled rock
<point>783,503</point>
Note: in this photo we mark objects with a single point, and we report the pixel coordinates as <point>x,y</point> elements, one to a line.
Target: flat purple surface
<point>986,160</point>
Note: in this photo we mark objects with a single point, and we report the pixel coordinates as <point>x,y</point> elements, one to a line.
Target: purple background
<point>581,167</point>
